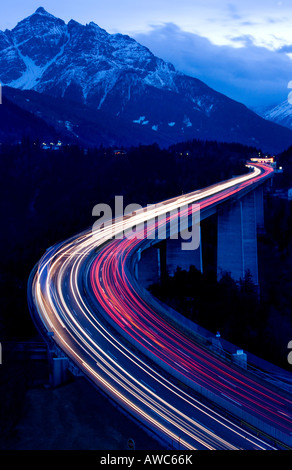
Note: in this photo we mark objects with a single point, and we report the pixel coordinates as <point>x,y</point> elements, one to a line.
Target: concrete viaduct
<point>240,218</point>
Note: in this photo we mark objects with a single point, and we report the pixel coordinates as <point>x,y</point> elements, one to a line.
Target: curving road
<point>85,293</point>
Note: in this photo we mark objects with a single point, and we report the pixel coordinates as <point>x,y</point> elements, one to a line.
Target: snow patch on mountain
<point>33,72</point>
<point>187,122</point>
<point>141,120</point>
<point>280,114</point>
<point>30,76</point>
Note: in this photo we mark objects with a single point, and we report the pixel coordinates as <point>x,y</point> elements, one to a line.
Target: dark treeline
<point>226,306</point>
<point>49,195</point>
<point>285,160</point>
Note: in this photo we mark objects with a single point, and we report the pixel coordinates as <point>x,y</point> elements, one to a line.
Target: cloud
<point>251,74</point>
<point>287,49</point>
<point>245,39</point>
<point>233,12</point>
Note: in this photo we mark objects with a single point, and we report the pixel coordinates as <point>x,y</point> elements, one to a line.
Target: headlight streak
<point>70,258</point>
<point>93,351</point>
<point>202,373</point>
<point>84,308</point>
<point>166,416</point>
<point>101,380</point>
<point>140,412</point>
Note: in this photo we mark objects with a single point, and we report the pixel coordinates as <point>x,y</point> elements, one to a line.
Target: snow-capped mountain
<point>113,73</point>
<point>280,114</point>
<point>45,54</point>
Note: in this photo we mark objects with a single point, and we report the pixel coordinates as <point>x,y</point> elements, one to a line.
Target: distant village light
<point>52,145</point>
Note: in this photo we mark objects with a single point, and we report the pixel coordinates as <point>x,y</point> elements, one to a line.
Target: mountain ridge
<point>115,74</point>
<point>280,114</point>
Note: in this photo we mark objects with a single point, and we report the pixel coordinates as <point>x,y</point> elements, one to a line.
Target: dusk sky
<point>240,48</point>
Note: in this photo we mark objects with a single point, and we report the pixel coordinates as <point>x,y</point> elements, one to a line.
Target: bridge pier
<point>240,358</point>
<point>259,198</point>
<point>151,264</point>
<point>175,257</point>
<point>163,258</point>
<point>59,371</point>
<point>237,226</point>
<point>58,366</point>
<point>237,239</point>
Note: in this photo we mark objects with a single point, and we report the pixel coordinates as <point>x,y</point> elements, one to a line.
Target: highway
<point>85,293</point>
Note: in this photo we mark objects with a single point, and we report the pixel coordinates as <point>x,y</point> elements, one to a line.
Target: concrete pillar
<point>148,269</point>
<point>240,359</point>
<point>138,259</point>
<point>237,239</point>
<point>259,197</point>
<point>176,257</point>
<point>59,371</point>
<point>217,345</point>
<point>162,247</point>
<point>163,258</point>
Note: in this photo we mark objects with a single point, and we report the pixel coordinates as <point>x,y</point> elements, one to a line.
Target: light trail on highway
<point>85,294</point>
